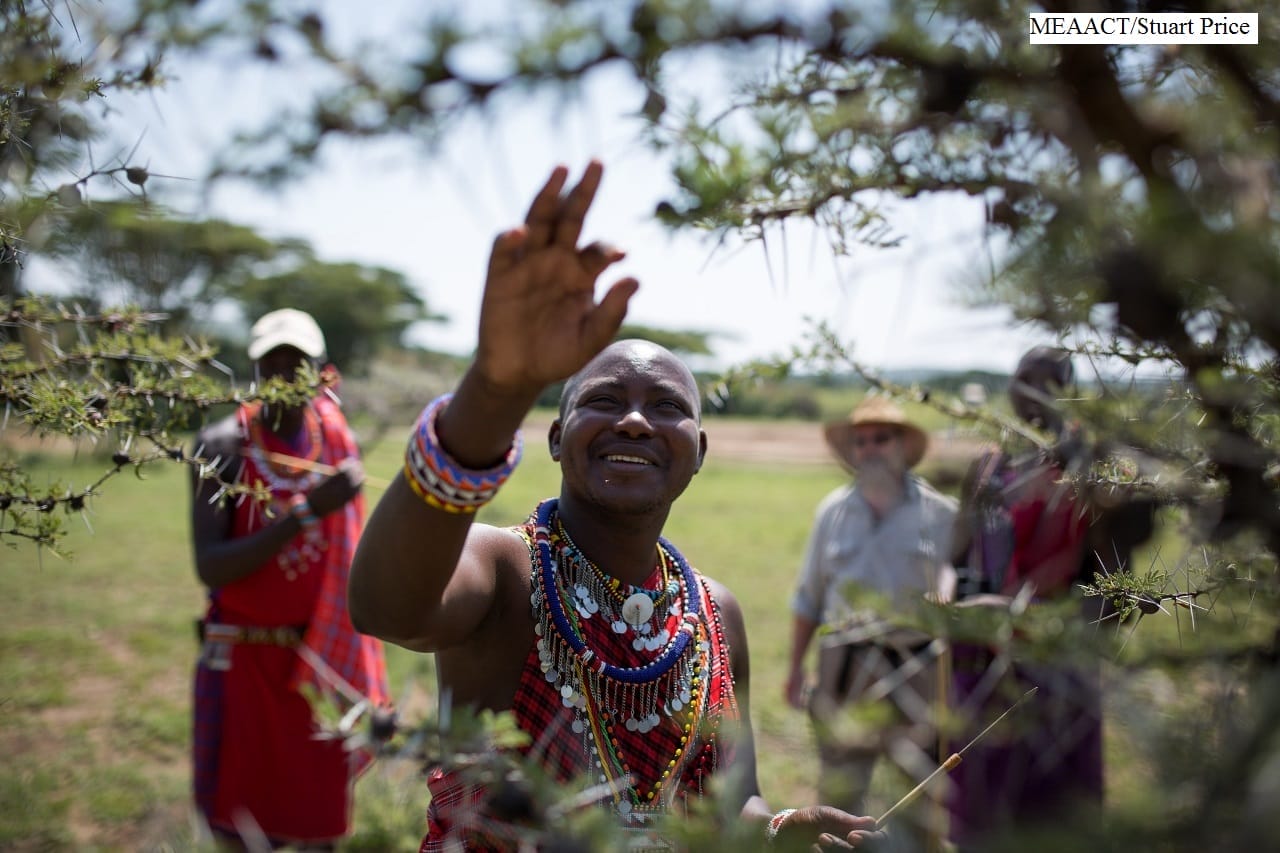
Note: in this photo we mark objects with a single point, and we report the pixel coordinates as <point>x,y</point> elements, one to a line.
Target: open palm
<point>539,320</point>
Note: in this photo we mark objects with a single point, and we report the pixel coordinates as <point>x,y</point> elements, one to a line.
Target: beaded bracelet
<point>300,508</point>
<point>439,480</point>
<point>775,824</point>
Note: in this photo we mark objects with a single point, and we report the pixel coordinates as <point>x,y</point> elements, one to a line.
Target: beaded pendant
<point>626,609</point>
<point>637,609</point>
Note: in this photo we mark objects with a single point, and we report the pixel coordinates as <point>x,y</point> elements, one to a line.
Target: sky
<point>432,214</point>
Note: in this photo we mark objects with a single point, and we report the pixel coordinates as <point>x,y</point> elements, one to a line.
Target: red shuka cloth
<point>255,755</point>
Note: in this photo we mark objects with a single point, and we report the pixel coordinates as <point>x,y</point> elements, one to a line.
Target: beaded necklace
<point>604,695</point>
<point>296,557</point>
<point>626,608</point>
<point>284,477</point>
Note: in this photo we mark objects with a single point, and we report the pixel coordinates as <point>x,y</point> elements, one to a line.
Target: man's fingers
<point>573,210</point>
<point>545,209</point>
<point>598,257</point>
<point>507,249</point>
<point>863,822</point>
<point>602,323</point>
<point>864,838</point>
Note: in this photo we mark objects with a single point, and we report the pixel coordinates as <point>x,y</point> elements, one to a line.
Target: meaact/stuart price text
<point>1142,28</point>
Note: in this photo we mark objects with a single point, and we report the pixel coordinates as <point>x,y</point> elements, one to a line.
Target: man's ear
<point>553,439</point>
<point>702,450</point>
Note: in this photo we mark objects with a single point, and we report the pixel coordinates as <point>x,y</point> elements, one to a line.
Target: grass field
<point>97,647</point>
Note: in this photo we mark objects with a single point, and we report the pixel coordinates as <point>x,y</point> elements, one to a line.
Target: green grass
<point>96,646</point>
<point>34,802</point>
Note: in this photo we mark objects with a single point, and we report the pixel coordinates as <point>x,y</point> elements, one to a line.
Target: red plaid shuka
<point>456,817</point>
<point>254,750</point>
<point>355,657</point>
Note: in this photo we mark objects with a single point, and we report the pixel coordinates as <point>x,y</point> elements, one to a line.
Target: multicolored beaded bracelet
<point>300,508</point>
<point>439,480</point>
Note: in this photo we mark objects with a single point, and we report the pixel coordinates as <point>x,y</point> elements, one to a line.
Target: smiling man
<point>626,666</point>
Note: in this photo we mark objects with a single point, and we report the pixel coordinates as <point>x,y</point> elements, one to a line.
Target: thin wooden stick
<point>942,699</point>
<point>950,764</point>
<point>319,468</point>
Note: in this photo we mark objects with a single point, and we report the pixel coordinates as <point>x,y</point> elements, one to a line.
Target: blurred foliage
<point>361,309</point>
<point>109,379</point>
<point>134,252</point>
<point>681,342</point>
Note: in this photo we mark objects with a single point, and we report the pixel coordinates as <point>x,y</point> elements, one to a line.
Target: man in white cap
<point>877,548</point>
<point>277,627</point>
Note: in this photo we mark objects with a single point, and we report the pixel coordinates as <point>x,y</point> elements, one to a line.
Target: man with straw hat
<point>876,550</point>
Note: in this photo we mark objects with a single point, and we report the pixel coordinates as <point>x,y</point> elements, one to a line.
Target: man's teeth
<point>634,460</point>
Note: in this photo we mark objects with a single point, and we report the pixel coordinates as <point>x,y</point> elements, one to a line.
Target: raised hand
<point>539,320</point>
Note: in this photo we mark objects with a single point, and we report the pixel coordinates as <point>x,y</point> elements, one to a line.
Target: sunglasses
<point>876,438</point>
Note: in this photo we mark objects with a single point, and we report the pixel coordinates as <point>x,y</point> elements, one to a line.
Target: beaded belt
<point>217,639</point>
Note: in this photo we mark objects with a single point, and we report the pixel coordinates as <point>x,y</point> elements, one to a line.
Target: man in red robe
<point>277,635</point>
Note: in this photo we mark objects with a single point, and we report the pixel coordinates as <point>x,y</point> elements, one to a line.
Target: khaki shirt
<point>898,558</point>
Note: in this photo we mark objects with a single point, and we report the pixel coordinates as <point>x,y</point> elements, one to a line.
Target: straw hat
<point>876,410</point>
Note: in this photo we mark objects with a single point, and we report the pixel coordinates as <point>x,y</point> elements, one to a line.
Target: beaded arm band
<point>439,480</point>
<point>300,508</point>
<point>775,824</point>
<point>312,533</point>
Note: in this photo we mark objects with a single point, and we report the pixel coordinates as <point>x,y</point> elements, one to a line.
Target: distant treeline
<point>825,396</point>
<point>402,380</point>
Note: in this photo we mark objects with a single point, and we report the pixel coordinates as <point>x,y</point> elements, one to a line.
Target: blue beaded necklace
<point>587,657</point>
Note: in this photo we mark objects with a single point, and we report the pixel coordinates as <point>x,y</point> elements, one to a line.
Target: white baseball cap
<point>286,327</point>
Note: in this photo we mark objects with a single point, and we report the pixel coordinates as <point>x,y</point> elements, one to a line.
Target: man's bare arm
<point>221,559</point>
<point>802,631</point>
<point>418,578</point>
<point>805,825</point>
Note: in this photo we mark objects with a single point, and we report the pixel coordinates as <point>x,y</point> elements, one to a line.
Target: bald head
<point>644,356</point>
<point>1038,382</point>
<point>1045,364</point>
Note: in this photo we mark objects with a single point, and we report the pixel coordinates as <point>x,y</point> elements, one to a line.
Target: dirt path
<point>798,442</point>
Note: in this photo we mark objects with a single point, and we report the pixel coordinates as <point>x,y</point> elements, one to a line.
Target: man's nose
<point>634,422</point>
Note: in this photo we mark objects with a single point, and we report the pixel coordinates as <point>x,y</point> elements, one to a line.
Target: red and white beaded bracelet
<point>775,824</point>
